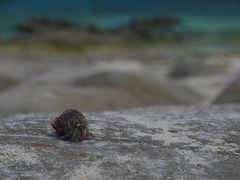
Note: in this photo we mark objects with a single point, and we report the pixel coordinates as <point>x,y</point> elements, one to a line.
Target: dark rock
<point>156,22</point>
<point>135,144</point>
<point>231,94</point>
<point>7,82</point>
<point>42,23</point>
<point>184,68</point>
<point>95,30</point>
<point>144,90</point>
<point>152,28</point>
<point>58,33</point>
<point>64,33</point>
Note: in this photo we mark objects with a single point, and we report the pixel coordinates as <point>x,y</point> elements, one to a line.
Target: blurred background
<point>100,55</point>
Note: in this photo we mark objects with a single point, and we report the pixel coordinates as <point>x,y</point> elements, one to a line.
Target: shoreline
<point>48,35</point>
<point>229,43</point>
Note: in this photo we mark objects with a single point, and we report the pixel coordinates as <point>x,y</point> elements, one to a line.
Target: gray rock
<point>98,92</point>
<point>230,94</point>
<point>7,82</point>
<point>152,143</point>
<point>185,68</point>
<point>145,90</point>
<point>42,23</point>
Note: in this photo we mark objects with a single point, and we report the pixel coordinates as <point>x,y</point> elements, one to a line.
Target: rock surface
<point>7,82</point>
<point>111,80</point>
<point>152,143</point>
<point>57,85</point>
<point>61,31</point>
<point>184,68</point>
<point>230,94</point>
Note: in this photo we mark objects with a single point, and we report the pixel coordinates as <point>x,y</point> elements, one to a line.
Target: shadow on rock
<point>7,82</point>
<point>230,94</point>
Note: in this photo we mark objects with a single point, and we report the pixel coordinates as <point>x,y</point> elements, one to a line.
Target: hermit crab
<point>71,125</point>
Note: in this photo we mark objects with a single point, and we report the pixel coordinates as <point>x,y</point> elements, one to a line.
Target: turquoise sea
<point>196,15</point>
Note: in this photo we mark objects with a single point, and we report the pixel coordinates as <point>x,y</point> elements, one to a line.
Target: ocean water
<point>196,15</point>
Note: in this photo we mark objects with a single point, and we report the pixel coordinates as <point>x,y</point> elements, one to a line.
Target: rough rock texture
<point>152,143</point>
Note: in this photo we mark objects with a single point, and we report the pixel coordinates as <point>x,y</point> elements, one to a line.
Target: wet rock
<point>152,143</point>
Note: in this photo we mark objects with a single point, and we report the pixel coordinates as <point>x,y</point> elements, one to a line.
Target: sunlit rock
<point>151,143</point>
